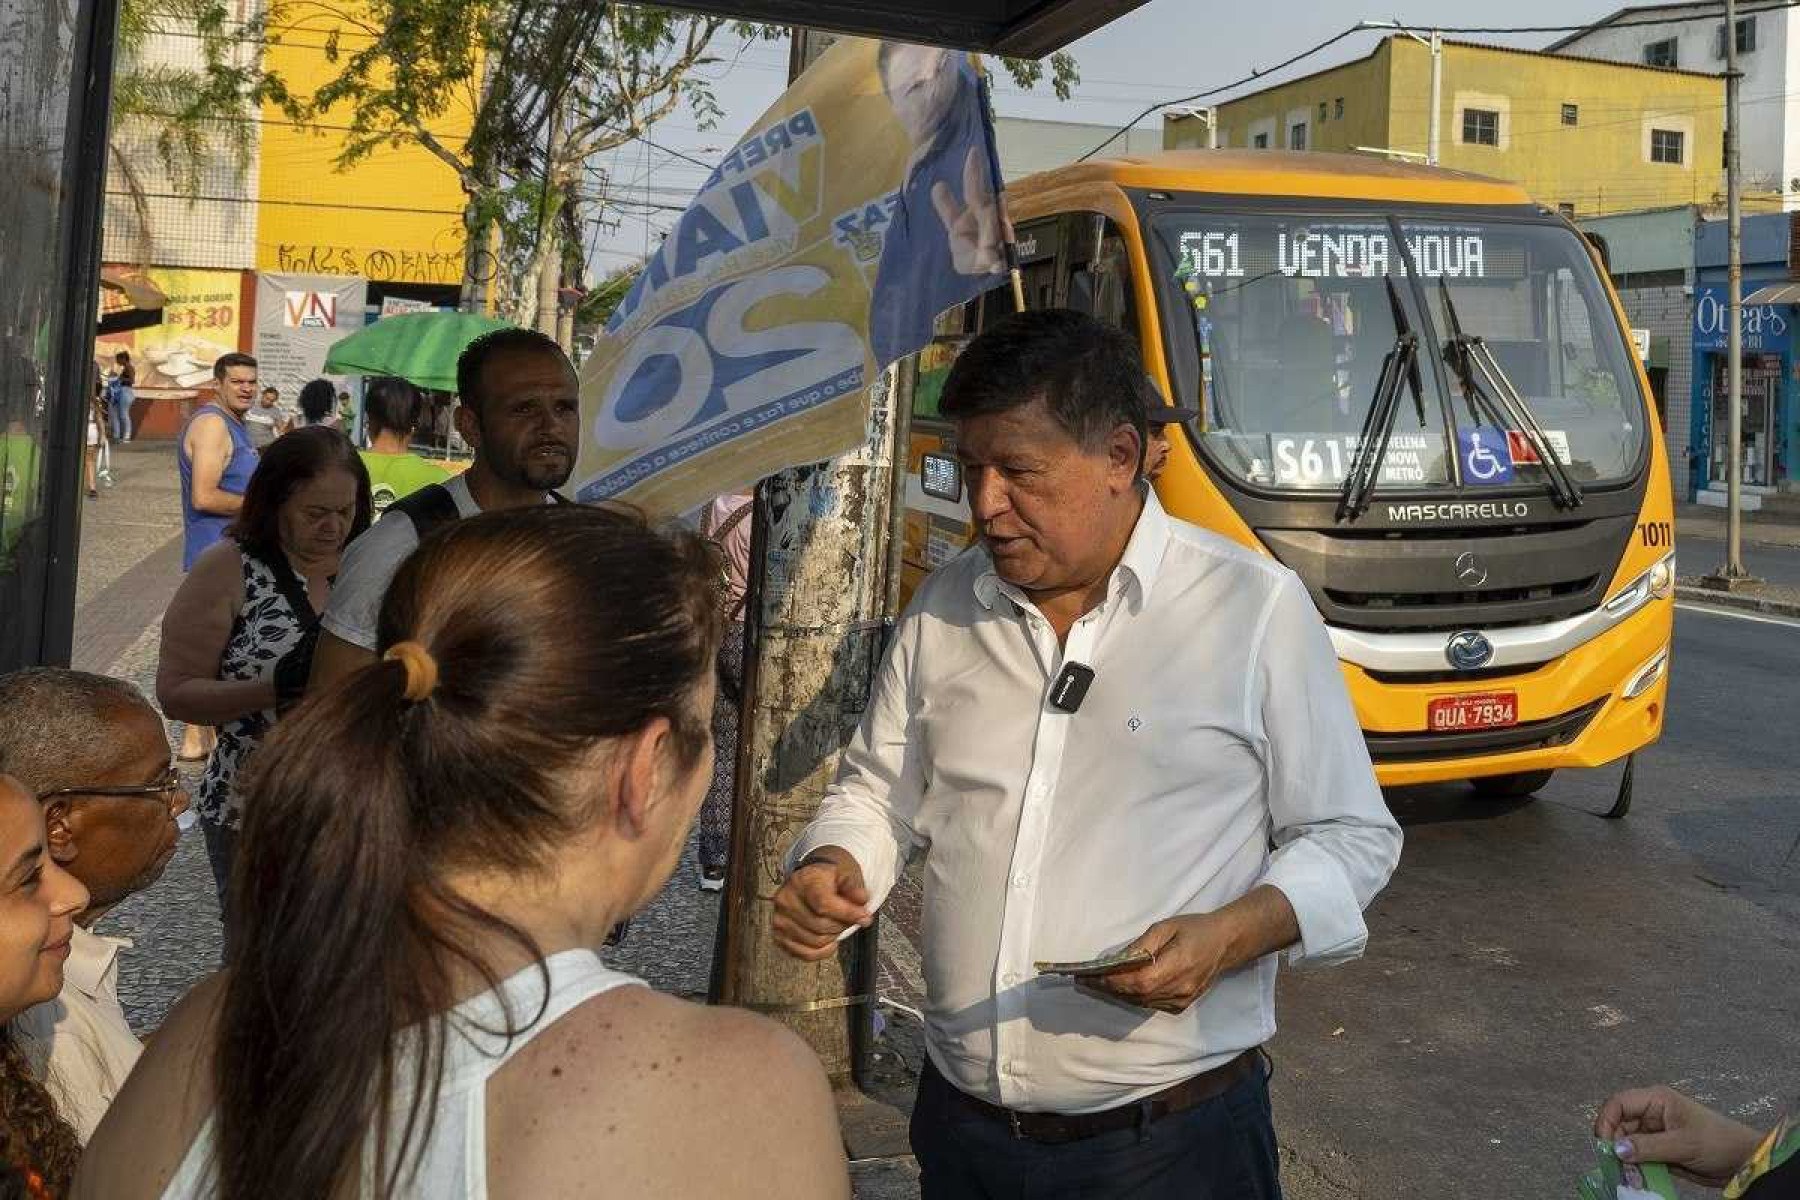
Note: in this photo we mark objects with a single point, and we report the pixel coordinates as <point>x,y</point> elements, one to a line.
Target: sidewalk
<point>1770,531</point>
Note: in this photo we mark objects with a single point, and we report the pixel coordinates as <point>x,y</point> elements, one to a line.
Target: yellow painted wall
<point>396,216</point>
<point>1601,164</point>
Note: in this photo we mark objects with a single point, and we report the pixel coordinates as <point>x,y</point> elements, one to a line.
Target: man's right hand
<point>822,898</point>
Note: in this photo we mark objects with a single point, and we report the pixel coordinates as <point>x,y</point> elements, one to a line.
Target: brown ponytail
<point>551,630</point>
<point>33,1135</point>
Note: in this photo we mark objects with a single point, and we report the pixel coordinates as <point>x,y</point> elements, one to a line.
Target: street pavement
<point>1696,554</point>
<point>1528,958</point>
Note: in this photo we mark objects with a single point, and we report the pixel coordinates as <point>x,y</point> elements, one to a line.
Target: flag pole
<point>1009,247</point>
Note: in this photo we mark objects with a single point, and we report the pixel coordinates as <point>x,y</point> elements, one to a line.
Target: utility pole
<point>1434,43</point>
<point>1734,343</point>
<point>818,611</point>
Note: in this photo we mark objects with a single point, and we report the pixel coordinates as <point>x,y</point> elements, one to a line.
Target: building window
<point>1660,54</point>
<point>1571,114</point>
<point>1260,141</point>
<point>1322,112</point>
<point>1666,145</point>
<point>1338,106</point>
<point>1567,210</point>
<point>1297,137</point>
<point>1746,37</point>
<point>1481,127</point>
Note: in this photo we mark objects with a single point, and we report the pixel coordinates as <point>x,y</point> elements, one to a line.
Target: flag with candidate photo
<point>820,249</point>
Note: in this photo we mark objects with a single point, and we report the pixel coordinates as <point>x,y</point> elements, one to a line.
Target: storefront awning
<point>1775,293</point>
<point>128,301</point>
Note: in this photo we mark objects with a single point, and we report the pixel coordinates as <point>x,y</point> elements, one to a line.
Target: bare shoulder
<point>146,1133</point>
<point>207,426</point>
<point>661,1097</point>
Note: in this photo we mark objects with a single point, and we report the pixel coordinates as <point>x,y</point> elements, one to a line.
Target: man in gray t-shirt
<point>521,412</point>
<point>267,419</point>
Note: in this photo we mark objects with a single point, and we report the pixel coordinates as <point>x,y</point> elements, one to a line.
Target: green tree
<point>183,117</point>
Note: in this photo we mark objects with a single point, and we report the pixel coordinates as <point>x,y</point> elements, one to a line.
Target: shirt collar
<point>1137,567</point>
<point>91,957</point>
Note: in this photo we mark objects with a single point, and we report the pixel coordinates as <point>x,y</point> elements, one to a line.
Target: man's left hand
<point>1191,952</point>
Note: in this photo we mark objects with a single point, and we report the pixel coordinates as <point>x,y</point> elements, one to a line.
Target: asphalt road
<point>1697,555</point>
<point>1529,957</point>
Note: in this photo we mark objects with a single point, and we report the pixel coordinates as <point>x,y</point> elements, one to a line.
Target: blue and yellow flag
<point>820,249</point>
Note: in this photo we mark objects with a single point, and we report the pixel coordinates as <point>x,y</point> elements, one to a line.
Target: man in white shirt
<point>521,411</point>
<point>268,420</point>
<point>96,755</point>
<point>1106,731</point>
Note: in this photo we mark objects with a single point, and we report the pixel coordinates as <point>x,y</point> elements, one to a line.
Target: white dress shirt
<point>1217,726</point>
<point>80,1043</point>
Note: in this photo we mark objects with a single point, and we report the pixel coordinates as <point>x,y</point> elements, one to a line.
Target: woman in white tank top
<point>436,846</point>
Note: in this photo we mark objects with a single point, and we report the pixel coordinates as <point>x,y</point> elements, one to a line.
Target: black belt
<point>1073,1127</point>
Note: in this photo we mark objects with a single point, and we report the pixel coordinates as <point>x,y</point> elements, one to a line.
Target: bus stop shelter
<point>56,65</point>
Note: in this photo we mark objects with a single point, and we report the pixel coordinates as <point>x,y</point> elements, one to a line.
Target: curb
<point>1720,599</point>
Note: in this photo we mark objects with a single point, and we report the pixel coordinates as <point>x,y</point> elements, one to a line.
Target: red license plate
<point>1489,710</point>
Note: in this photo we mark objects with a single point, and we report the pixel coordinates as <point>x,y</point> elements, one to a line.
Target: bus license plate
<point>1489,710</point>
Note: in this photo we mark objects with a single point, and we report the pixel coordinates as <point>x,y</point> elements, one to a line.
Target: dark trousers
<point>1223,1149</point>
<point>221,851</point>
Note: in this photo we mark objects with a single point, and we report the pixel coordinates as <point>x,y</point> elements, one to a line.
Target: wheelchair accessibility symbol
<point>1485,459</point>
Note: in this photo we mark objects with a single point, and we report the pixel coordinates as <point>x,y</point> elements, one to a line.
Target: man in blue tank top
<point>217,457</point>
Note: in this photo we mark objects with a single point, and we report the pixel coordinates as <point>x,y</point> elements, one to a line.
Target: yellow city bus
<point>1416,390</point>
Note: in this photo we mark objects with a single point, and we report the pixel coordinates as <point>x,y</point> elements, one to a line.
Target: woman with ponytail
<point>432,851</point>
<point>38,903</point>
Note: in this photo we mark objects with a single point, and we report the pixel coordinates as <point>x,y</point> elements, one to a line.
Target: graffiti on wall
<point>387,266</point>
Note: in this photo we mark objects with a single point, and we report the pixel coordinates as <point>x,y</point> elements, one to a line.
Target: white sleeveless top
<point>453,1165</point>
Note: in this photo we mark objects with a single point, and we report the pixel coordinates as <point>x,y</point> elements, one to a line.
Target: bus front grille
<point>1527,735</point>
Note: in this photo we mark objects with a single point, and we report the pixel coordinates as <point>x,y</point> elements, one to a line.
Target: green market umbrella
<point>421,347</point>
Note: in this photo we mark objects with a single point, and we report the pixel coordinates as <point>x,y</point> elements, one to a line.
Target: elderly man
<point>95,753</point>
<point>1110,733</point>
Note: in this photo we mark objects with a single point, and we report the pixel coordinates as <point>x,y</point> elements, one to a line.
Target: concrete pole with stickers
<point>1733,570</point>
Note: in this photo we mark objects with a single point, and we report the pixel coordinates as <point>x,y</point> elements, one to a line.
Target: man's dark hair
<point>122,356</point>
<point>56,725</point>
<point>271,390</point>
<point>225,362</point>
<point>289,461</point>
<point>1088,373</point>
<point>317,399</point>
<point>471,365</point>
<point>392,405</point>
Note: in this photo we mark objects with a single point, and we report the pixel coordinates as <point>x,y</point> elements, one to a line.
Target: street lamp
<point>1434,43</point>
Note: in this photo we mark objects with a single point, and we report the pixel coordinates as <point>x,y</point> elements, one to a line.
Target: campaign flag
<point>820,249</point>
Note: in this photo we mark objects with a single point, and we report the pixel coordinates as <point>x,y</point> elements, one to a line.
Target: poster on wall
<point>201,320</point>
<point>298,317</point>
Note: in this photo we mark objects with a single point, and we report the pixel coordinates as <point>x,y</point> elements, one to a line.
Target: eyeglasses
<point>168,782</point>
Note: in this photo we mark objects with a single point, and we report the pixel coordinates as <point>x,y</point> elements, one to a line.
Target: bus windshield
<point>1294,315</point>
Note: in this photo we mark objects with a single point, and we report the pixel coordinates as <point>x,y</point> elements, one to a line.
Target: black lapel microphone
<point>1071,687</point>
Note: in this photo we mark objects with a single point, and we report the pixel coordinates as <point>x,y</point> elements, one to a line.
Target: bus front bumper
<point>1573,711</point>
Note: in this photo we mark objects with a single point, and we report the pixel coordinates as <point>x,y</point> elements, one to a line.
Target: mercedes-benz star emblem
<point>1469,651</point>
<point>1469,571</point>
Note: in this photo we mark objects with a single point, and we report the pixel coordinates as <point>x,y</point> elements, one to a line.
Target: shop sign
<point>1764,326</point>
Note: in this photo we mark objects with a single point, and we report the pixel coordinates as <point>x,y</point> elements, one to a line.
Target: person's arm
<point>348,627</point>
<point>209,450</point>
<point>196,628</point>
<point>859,841</point>
<point>333,659</point>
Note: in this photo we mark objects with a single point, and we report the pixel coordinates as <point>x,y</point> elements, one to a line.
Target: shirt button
<point>1021,880</point>
<point>1010,978</point>
<point>1006,1068</point>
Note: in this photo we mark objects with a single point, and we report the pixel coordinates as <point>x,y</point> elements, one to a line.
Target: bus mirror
<point>941,478</point>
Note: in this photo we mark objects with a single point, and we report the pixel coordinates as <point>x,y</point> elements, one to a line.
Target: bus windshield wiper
<point>1492,392</point>
<point>1400,366</point>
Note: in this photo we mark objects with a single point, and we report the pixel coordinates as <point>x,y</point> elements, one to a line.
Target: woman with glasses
<point>38,903</point>
<point>237,635</point>
<point>96,755</point>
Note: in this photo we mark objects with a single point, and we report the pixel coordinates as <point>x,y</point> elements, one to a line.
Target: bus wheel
<point>1508,787</point>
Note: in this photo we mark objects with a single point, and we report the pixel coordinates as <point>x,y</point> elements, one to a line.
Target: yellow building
<point>395,217</point>
<point>1587,136</point>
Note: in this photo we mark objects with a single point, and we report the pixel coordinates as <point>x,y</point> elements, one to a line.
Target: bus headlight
<point>1647,676</point>
<point>1656,583</point>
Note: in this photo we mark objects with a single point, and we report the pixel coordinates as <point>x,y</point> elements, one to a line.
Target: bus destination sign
<point>1330,252</point>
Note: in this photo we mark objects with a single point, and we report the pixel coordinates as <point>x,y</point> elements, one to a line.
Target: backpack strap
<point>427,508</point>
<point>732,522</point>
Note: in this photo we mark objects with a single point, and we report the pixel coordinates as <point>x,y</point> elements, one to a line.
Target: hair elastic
<point>421,669</point>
